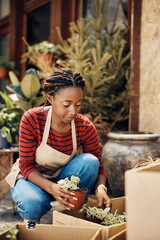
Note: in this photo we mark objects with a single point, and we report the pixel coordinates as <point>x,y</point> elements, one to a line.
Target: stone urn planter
<point>123,151</point>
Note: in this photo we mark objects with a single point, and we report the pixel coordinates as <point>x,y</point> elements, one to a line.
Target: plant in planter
<point>44,55</point>
<point>72,185</point>
<point>10,117</point>
<point>9,125</point>
<point>5,66</point>
<point>28,91</point>
<point>103,217</point>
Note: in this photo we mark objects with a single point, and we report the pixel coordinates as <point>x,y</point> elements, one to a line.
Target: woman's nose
<point>72,110</point>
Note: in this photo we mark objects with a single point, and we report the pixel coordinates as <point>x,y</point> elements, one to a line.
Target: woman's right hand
<point>61,195</point>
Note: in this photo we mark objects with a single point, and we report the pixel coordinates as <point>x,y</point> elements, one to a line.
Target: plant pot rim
<point>82,188</point>
<point>133,135</point>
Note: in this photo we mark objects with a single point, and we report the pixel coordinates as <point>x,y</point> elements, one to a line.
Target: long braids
<point>62,79</point>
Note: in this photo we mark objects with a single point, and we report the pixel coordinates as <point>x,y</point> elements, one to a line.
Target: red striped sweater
<point>31,132</point>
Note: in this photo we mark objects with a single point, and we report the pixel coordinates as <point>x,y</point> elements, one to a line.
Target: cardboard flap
<point>50,232</point>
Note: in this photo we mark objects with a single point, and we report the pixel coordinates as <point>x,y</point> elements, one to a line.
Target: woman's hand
<point>102,198</point>
<point>61,195</point>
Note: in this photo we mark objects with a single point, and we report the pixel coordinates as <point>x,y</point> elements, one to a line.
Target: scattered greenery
<point>10,117</point>
<point>98,49</point>
<point>12,232</point>
<point>70,184</point>
<point>28,91</point>
<point>105,216</point>
<point>7,63</point>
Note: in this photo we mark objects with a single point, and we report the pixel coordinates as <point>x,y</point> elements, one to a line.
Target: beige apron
<point>48,160</point>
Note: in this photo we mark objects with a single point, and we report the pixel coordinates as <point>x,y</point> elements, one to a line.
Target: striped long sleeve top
<point>31,132</point>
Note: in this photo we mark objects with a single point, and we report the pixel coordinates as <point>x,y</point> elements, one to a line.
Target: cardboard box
<point>119,236</point>
<point>50,232</point>
<point>142,187</point>
<point>74,218</point>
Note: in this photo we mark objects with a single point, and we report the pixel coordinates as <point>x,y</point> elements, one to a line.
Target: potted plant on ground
<point>5,66</point>
<point>79,192</point>
<point>103,217</point>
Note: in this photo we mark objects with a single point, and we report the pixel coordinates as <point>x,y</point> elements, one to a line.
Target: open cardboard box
<point>74,218</point>
<point>142,188</point>
<point>50,232</point>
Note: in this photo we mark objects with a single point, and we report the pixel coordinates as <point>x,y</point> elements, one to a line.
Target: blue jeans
<point>33,202</point>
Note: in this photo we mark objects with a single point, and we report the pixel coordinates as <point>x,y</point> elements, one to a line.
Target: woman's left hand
<point>102,198</point>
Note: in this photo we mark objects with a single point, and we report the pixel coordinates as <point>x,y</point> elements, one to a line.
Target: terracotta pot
<point>80,195</point>
<point>3,73</point>
<point>46,57</point>
<point>122,152</point>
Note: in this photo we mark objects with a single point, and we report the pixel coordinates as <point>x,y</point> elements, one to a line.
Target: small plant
<point>105,216</point>
<point>12,232</point>
<point>6,63</point>
<point>70,184</point>
<point>10,117</point>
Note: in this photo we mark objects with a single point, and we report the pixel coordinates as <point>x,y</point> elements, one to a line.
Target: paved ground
<point>6,213</point>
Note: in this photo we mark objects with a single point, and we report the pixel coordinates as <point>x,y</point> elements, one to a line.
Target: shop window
<point>4,39</point>
<point>4,8</point>
<point>110,11</point>
<point>38,24</point>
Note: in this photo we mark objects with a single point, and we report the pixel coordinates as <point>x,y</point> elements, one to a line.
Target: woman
<point>48,141</point>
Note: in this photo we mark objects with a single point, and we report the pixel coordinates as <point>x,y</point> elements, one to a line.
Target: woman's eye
<point>66,106</point>
<point>78,105</point>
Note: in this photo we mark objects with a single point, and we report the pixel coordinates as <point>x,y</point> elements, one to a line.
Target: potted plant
<point>5,66</point>
<point>80,192</point>
<point>103,217</point>
<point>9,121</point>
<point>44,55</point>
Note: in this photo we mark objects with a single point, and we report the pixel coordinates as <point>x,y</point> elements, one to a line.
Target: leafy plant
<point>105,216</point>
<point>28,91</point>
<point>98,50</point>
<point>70,184</point>
<point>7,63</point>
<point>12,232</point>
<point>10,117</point>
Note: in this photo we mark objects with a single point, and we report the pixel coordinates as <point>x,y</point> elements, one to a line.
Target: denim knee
<point>33,209</point>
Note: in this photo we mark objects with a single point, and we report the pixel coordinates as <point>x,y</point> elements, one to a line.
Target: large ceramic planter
<point>122,152</point>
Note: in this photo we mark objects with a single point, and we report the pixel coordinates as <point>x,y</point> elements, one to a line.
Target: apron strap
<point>47,126</point>
<point>47,129</point>
<point>74,140</point>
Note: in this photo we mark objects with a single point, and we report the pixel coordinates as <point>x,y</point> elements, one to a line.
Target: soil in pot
<point>80,194</point>
<point>94,220</point>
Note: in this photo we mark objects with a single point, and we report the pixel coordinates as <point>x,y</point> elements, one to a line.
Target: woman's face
<point>66,103</point>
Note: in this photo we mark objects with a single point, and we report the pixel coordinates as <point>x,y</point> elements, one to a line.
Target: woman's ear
<point>50,99</point>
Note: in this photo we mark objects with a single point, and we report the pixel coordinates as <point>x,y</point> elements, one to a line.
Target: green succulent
<point>105,216</point>
<point>70,184</point>
<point>10,117</point>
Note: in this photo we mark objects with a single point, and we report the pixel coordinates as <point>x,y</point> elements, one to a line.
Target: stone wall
<point>149,108</point>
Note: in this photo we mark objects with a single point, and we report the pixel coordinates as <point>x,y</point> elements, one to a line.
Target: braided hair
<point>61,79</point>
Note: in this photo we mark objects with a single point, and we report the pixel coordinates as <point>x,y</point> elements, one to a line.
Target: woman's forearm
<point>100,180</point>
<point>42,182</point>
